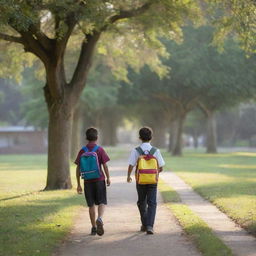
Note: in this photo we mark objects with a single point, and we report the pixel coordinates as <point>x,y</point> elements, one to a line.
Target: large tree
<point>160,102</point>
<point>44,29</point>
<point>216,80</point>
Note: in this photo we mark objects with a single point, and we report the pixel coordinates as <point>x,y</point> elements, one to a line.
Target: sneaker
<point>143,228</point>
<point>93,231</point>
<point>100,229</point>
<point>150,230</point>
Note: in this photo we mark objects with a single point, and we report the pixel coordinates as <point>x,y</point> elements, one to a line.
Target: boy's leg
<point>92,214</point>
<point>101,201</point>
<point>152,203</point>
<point>142,203</point>
<point>89,191</point>
<point>101,210</point>
<point>101,198</point>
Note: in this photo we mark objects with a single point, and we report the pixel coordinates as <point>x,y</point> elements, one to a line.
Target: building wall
<point>27,142</point>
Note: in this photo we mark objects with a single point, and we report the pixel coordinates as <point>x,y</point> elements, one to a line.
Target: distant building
<point>22,140</point>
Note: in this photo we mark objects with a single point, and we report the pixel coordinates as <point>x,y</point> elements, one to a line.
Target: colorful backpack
<point>89,164</point>
<point>147,167</point>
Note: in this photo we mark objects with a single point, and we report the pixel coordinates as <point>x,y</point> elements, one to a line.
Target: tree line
<point>50,30</point>
<point>202,81</point>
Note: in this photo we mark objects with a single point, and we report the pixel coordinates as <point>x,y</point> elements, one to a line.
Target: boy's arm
<point>129,179</point>
<point>79,188</point>
<point>160,160</point>
<point>105,167</point>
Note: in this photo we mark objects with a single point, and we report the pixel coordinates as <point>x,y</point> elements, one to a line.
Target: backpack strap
<point>139,150</point>
<point>152,151</point>
<point>95,148</point>
<point>85,149</point>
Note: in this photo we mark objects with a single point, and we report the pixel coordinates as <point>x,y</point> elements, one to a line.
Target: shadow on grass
<point>19,196</point>
<point>31,228</point>
<point>24,167</point>
<point>170,196</point>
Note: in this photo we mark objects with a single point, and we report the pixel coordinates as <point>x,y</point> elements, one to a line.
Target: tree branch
<point>84,62</point>
<point>31,41</point>
<point>126,14</point>
<point>167,98</point>
<point>32,45</point>
<point>43,39</point>
<point>191,103</point>
<point>203,108</point>
<point>61,43</point>
<point>10,38</point>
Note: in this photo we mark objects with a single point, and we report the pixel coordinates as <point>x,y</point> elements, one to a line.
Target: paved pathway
<point>122,223</point>
<point>237,239</point>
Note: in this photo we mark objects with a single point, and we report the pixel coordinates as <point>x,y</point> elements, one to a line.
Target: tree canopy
<point>45,29</point>
<point>64,34</point>
<point>235,18</point>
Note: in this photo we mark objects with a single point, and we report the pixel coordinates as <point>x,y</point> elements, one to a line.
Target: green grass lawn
<point>228,180</point>
<point>32,221</point>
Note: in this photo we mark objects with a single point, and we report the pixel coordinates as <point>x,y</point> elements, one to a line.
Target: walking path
<point>237,239</point>
<point>122,223</point>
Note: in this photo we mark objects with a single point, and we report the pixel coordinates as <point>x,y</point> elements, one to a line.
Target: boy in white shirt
<point>147,193</point>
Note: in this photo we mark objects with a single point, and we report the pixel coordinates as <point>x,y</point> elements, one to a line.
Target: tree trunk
<point>172,135</point>
<point>195,140</point>
<point>159,136</point>
<point>177,150</point>
<point>76,141</point>
<point>108,134</point>
<point>61,98</point>
<point>211,143</point>
<point>108,127</point>
<point>59,134</point>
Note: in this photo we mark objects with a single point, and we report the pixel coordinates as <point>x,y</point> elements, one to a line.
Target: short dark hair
<point>91,134</point>
<point>145,133</point>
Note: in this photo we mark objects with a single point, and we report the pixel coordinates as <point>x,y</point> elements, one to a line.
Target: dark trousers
<point>147,203</point>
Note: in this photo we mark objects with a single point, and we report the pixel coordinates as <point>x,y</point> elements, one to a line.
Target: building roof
<point>17,128</point>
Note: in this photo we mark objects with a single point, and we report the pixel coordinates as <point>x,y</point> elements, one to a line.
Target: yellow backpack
<point>147,167</point>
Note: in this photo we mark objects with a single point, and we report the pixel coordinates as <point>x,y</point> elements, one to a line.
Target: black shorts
<point>95,193</point>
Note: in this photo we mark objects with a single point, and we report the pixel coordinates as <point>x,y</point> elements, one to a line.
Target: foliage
<point>13,60</point>
<point>198,73</point>
<point>10,101</point>
<point>133,27</point>
<point>195,123</point>
<point>100,95</point>
<point>222,79</point>
<point>227,124</point>
<point>247,123</point>
<point>34,108</point>
<point>237,18</point>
